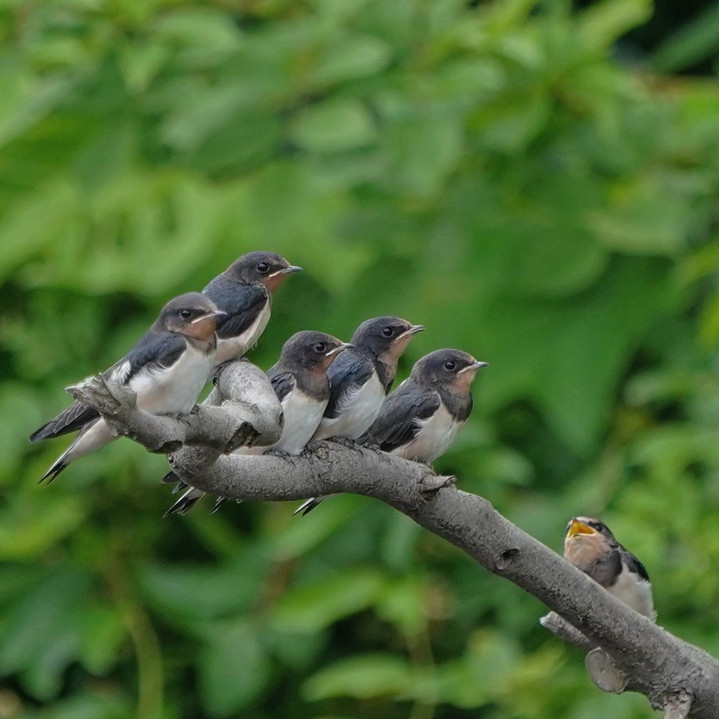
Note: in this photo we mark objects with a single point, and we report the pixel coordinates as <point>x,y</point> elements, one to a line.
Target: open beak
<point>336,350</point>
<point>285,271</point>
<point>577,527</point>
<point>474,367</point>
<point>413,329</point>
<point>202,318</point>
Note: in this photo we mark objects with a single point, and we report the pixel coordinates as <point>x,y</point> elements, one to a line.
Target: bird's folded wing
<point>402,412</point>
<point>634,565</point>
<point>241,307</point>
<point>346,374</point>
<point>75,417</point>
<point>282,382</point>
<point>155,351</point>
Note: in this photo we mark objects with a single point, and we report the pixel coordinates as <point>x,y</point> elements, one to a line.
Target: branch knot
<point>431,483</point>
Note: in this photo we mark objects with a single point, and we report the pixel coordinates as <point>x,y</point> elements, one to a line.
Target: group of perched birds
<point>327,389</point>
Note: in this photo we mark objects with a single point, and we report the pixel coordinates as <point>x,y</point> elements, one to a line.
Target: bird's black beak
<point>215,313</point>
<point>474,367</point>
<point>335,350</point>
<point>285,271</point>
<point>413,330</point>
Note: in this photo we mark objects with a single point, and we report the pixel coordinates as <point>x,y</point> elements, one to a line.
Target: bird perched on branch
<point>422,417</point>
<point>166,369</point>
<point>244,292</point>
<point>300,382</point>
<point>591,547</point>
<point>360,380</point>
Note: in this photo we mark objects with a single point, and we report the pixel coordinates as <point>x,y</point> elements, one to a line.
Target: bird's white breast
<point>234,347</point>
<point>435,435</point>
<point>174,389</point>
<point>302,417</point>
<point>634,591</point>
<point>357,408</point>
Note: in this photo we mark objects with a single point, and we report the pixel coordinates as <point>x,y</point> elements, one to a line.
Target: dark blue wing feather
<point>348,371</point>
<point>153,351</point>
<point>396,423</point>
<point>633,564</point>
<point>241,302</point>
<point>75,417</point>
<point>282,382</point>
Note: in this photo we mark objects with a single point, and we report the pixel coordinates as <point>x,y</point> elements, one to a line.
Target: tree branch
<point>676,676</point>
<point>242,409</point>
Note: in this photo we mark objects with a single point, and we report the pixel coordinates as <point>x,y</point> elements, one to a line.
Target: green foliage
<point>488,171</point>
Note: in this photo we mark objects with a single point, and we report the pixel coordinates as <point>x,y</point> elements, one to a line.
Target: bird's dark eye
<point>185,314</point>
<point>387,331</point>
<point>320,347</point>
<point>450,365</point>
<point>262,267</point>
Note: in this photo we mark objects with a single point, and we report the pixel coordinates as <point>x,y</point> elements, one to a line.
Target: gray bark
<point>677,677</point>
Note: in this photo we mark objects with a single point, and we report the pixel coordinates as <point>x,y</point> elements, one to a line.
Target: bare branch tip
<point>565,631</point>
<point>677,705</point>
<point>430,484</point>
<point>604,673</point>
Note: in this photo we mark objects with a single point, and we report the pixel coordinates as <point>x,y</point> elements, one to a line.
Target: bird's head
<point>267,268</point>
<point>385,337</point>
<point>587,539</point>
<point>311,351</point>
<point>450,369</point>
<point>192,315</point>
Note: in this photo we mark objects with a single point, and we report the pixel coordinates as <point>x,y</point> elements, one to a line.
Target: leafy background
<point>535,182</point>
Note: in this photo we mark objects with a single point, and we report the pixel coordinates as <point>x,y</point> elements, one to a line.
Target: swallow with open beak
<point>591,547</point>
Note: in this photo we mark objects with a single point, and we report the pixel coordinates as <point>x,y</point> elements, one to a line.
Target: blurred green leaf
<point>333,126</point>
<point>602,23</point>
<point>202,26</point>
<point>41,633</point>
<point>644,218</point>
<point>362,677</point>
<point>404,603</point>
<point>101,638</point>
<point>351,57</point>
<point>233,669</point>
<point>413,126</point>
<point>91,705</point>
<point>317,605</point>
<point>691,43</point>
<point>27,528</point>
<point>205,592</point>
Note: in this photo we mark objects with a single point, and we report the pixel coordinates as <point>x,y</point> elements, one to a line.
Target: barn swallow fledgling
<point>244,292</point>
<point>360,381</point>
<point>300,381</point>
<point>422,417</point>
<point>591,547</point>
<point>362,376</point>
<point>166,369</point>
